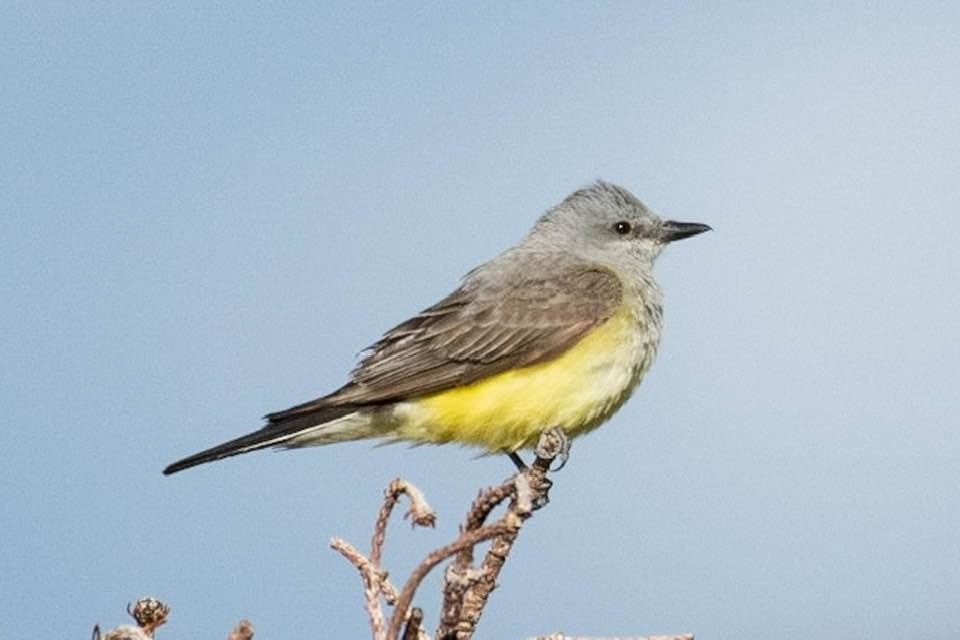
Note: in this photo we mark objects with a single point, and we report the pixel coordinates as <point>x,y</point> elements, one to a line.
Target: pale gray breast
<point>646,300</point>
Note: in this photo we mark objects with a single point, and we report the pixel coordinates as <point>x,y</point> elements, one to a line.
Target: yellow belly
<point>577,391</point>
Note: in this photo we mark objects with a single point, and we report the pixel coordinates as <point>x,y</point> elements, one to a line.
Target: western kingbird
<point>556,331</point>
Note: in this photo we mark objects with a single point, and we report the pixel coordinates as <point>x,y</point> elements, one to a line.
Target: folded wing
<point>487,326</point>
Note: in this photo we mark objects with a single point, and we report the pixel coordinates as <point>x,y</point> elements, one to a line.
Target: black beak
<point>672,230</point>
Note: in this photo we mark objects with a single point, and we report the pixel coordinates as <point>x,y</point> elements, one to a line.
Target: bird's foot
<point>541,496</point>
<point>553,445</point>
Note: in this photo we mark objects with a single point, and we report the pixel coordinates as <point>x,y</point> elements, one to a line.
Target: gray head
<point>607,224</point>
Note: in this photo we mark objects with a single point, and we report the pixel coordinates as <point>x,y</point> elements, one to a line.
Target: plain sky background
<point>207,211</point>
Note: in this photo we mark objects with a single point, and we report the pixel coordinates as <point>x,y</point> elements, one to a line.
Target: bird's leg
<point>518,461</point>
<point>553,444</point>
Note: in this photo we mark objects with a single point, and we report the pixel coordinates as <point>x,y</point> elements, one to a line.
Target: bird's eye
<point>622,227</point>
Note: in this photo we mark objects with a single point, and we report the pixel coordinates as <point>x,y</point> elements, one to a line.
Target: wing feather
<point>477,331</point>
<point>481,331</point>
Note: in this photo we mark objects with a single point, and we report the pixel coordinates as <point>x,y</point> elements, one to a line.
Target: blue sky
<point>207,211</point>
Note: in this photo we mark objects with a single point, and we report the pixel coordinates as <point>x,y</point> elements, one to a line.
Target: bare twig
<point>468,539</point>
<point>461,574</point>
<point>373,580</point>
<point>149,613</point>
<point>243,631</point>
<point>414,629</point>
<point>560,636</point>
<point>466,590</point>
<point>420,514</point>
<point>127,632</point>
<point>488,500</point>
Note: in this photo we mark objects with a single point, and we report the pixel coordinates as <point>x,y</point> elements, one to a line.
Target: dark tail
<point>276,433</point>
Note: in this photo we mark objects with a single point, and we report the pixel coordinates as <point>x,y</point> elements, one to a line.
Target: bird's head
<point>607,224</point>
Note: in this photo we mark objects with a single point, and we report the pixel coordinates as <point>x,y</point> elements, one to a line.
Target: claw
<point>563,456</point>
<point>542,496</point>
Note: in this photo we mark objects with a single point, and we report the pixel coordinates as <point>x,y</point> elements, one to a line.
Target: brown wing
<point>478,331</point>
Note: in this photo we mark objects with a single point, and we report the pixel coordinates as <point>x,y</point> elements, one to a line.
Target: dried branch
<point>243,631</point>
<point>420,514</point>
<point>461,574</point>
<point>560,636</point>
<point>125,632</point>
<point>436,557</point>
<point>150,613</point>
<point>466,589</point>
<point>373,584</point>
<point>375,581</point>
<point>414,629</point>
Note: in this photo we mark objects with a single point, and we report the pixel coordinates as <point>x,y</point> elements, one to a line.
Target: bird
<point>555,332</point>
